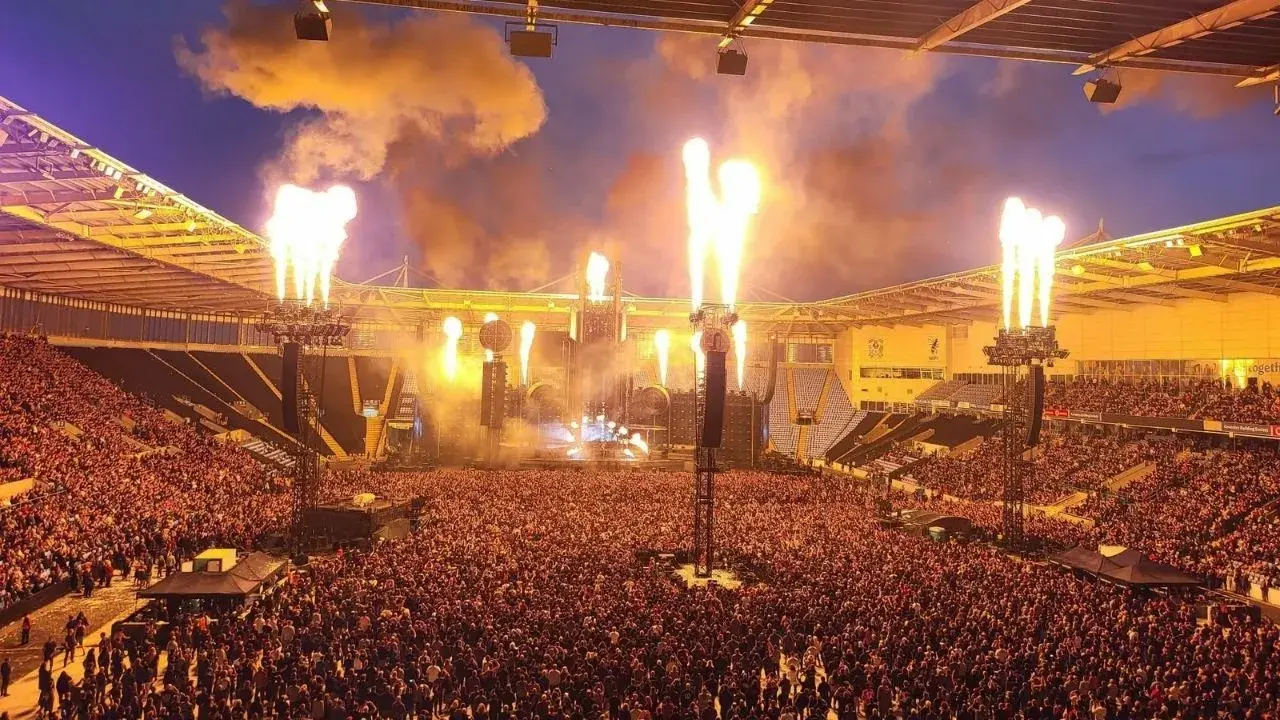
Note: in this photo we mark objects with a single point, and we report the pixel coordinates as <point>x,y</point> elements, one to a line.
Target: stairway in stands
<point>374,427</point>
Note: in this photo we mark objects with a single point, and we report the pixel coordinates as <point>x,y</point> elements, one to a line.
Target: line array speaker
<point>1037,405</point>
<point>713,411</point>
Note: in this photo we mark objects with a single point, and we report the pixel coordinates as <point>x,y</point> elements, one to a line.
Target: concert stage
<point>549,462</point>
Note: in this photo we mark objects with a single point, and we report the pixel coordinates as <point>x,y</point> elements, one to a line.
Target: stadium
<point>236,485</point>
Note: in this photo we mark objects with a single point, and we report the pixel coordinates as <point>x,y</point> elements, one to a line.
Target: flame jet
<point>452,333</point>
<point>1011,236</point>
<point>306,230</point>
<point>1052,232</point>
<point>703,210</point>
<point>662,343</point>
<point>739,200</point>
<point>526,344</point>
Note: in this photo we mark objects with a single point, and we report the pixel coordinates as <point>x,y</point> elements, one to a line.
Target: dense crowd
<point>1185,398</point>
<point>120,482</point>
<point>1064,463</point>
<point>524,599</point>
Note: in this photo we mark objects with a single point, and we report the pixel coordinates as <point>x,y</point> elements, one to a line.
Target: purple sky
<point>872,178</point>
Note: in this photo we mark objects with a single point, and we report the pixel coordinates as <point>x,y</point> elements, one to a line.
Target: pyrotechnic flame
<point>307,229</point>
<point>702,208</point>
<point>1011,235</point>
<point>662,343</point>
<point>1052,232</point>
<point>488,318</point>
<point>1028,250</point>
<point>699,357</point>
<point>526,344</point>
<point>597,270</point>
<point>740,350</point>
<point>639,442</point>
<point>739,200</point>
<point>452,333</point>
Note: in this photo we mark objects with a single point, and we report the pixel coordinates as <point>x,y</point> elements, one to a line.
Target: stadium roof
<point>1240,38</point>
<point>77,222</point>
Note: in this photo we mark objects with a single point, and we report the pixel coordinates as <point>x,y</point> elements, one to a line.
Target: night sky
<point>878,168</point>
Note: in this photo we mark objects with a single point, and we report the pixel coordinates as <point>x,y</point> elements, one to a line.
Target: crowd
<point>523,595</point>
<point>1064,463</point>
<point>525,599</point>
<point>1195,511</point>
<point>127,484</point>
<point>1186,398</point>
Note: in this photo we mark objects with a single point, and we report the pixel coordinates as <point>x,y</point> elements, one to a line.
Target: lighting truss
<point>307,325</point>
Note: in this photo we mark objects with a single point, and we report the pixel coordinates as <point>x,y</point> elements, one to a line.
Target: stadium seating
<point>978,395</point>
<point>809,383</point>
<point>941,391</point>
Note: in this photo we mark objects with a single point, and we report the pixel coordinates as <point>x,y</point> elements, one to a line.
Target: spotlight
<point>1102,91</point>
<point>525,41</point>
<point>731,62</point>
<point>313,21</point>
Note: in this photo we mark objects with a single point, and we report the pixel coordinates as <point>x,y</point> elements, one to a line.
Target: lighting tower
<point>715,323</point>
<point>1023,350</point>
<point>295,327</point>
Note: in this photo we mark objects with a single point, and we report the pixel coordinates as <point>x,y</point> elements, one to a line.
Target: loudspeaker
<point>312,26</point>
<point>731,62</point>
<point>713,411</point>
<point>1102,91</point>
<point>1036,387</point>
<point>493,394</point>
<point>291,367</point>
<point>530,43</point>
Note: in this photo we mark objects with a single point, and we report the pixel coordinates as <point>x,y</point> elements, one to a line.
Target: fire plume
<point>1010,236</point>
<point>739,200</point>
<point>740,350</point>
<point>702,208</point>
<point>1029,244</point>
<point>597,271</point>
<point>1052,232</point>
<point>307,229</point>
<point>662,343</point>
<point>718,224</point>
<point>527,331</point>
<point>452,333</point>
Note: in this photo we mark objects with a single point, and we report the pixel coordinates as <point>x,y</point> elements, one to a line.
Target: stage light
<point>1145,266</point>
<point>1077,270</point>
<point>143,214</point>
<point>532,43</point>
<point>313,21</point>
<point>1196,251</point>
<point>191,226</point>
<point>731,62</point>
<point>1102,91</point>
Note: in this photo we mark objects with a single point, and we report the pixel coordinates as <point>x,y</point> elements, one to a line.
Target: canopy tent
<point>244,579</point>
<point>1124,565</point>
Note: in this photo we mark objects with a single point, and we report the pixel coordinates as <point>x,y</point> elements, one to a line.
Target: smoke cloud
<point>875,166</point>
<point>440,75</point>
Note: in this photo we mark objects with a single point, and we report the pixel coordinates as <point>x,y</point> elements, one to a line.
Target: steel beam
<point>971,18</point>
<point>1262,77</point>
<point>700,27</point>
<point>742,19</point>
<point>1210,21</point>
